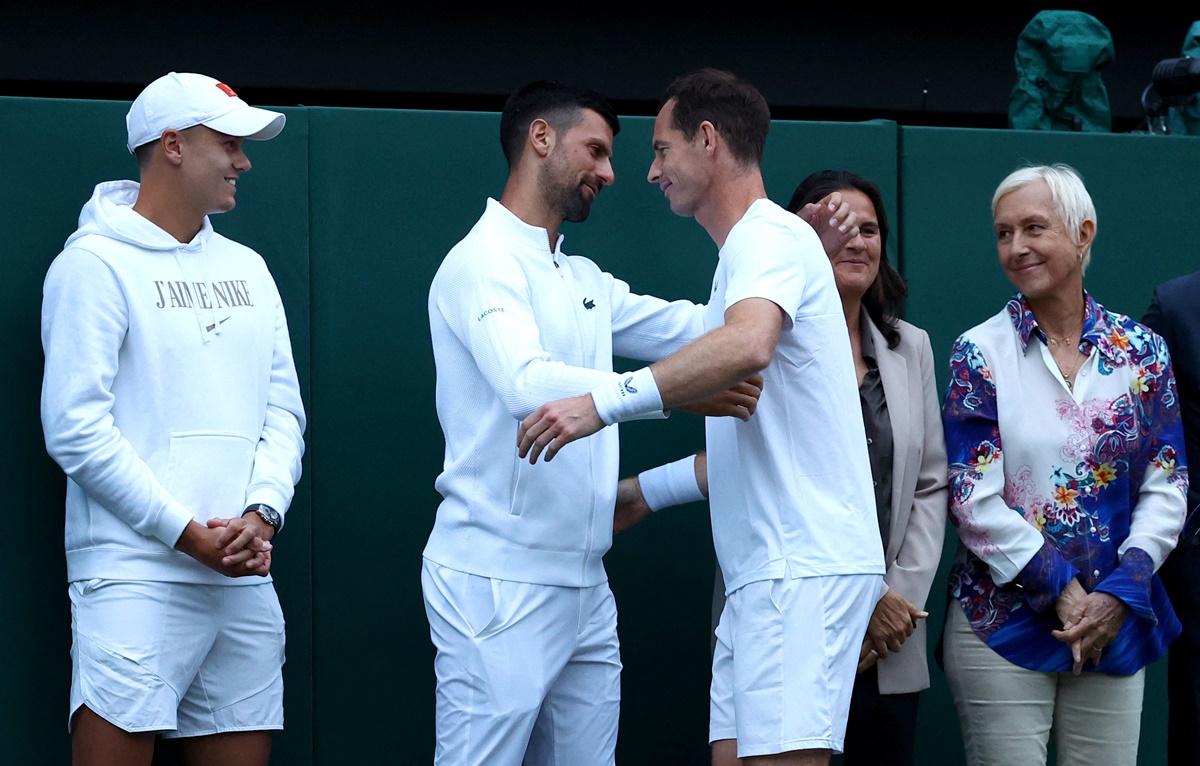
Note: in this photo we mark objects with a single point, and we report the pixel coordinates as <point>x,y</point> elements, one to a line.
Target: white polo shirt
<point>790,491</point>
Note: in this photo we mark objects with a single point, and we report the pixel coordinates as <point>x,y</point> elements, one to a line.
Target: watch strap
<point>268,514</point>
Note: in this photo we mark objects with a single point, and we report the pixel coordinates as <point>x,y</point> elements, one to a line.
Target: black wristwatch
<point>269,514</point>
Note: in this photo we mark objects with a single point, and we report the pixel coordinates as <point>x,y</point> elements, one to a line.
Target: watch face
<point>269,514</point>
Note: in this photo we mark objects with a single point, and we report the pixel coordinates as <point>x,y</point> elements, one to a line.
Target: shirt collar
<point>866,339</point>
<point>1097,331</point>
<point>527,234</point>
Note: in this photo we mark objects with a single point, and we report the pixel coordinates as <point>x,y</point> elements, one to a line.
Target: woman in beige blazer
<point>895,368</point>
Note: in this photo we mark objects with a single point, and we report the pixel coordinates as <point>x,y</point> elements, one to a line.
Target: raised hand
<point>833,221</point>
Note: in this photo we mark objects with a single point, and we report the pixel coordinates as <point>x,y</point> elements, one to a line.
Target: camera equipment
<point>1174,83</point>
<point>1176,77</point>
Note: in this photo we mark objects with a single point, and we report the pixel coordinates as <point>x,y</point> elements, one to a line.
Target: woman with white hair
<point>1068,491</point>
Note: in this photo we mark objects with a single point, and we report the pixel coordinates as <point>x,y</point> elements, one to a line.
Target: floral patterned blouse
<point>1050,482</point>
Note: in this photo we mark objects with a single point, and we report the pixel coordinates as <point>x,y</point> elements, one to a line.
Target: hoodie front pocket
<point>208,472</point>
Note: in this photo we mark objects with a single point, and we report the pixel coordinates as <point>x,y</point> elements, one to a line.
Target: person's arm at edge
<point>738,349</point>
<point>665,487</point>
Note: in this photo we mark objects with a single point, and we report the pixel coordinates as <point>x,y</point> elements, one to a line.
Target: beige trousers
<point>1007,712</point>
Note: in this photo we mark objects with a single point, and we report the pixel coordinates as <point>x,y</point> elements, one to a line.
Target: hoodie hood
<point>109,213</point>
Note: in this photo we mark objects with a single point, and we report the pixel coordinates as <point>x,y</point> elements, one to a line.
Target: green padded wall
<point>395,190</point>
<point>1145,189</point>
<point>39,144</point>
<point>54,152</point>
<point>353,210</point>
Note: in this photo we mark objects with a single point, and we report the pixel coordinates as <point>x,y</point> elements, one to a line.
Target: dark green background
<point>353,210</point>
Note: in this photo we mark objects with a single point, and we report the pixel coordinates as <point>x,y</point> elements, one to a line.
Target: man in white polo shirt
<point>790,491</point>
<point>170,400</point>
<point>528,663</point>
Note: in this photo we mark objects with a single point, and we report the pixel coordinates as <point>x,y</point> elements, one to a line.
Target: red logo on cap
<point>228,91</point>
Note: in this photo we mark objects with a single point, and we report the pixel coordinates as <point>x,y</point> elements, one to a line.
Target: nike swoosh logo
<point>212,327</point>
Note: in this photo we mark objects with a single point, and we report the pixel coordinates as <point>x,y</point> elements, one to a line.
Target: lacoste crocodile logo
<point>589,304</point>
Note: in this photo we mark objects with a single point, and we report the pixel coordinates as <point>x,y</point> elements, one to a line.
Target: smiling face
<point>856,265</point>
<point>1036,251</point>
<point>212,163</point>
<point>579,165</point>
<point>677,167</point>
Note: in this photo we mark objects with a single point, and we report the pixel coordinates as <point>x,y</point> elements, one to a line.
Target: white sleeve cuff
<point>671,484</point>
<point>632,396</point>
<point>272,497</point>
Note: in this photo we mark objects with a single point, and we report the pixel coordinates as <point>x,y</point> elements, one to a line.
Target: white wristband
<point>671,484</point>
<point>632,396</point>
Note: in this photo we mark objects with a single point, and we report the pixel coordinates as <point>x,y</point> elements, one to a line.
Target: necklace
<point>1069,377</point>
<point>1069,344</point>
<point>1066,340</point>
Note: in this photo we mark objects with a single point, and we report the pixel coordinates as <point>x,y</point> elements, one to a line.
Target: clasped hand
<point>892,622</point>
<point>235,547</point>
<point>1090,622</point>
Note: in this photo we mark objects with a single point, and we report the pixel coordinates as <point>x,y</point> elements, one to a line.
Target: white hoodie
<point>169,391</point>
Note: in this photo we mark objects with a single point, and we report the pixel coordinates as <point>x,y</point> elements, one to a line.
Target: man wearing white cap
<point>171,401</point>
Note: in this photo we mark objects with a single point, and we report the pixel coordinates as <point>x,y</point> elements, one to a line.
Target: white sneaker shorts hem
<point>785,661</point>
<point>182,659</point>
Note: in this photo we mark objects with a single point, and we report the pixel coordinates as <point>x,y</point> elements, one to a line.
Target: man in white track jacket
<point>528,664</point>
<point>170,399</point>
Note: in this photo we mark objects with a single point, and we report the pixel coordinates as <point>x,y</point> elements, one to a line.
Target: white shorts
<point>185,660</point>
<point>785,661</point>
<point>526,674</point>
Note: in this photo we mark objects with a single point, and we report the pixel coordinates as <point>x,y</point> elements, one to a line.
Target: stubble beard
<point>566,197</point>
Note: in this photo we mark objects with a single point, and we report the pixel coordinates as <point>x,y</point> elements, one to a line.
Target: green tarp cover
<point>1059,57</point>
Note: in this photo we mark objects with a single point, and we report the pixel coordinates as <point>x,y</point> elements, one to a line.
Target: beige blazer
<point>919,495</point>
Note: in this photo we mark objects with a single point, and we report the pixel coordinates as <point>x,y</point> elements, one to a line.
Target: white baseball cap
<point>182,100</point>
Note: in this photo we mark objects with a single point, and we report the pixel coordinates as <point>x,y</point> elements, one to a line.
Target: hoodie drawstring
<point>213,327</point>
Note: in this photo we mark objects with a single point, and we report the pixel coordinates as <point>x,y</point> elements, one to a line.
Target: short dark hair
<point>884,299</point>
<point>558,104</point>
<point>735,108</point>
<point>143,154</point>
